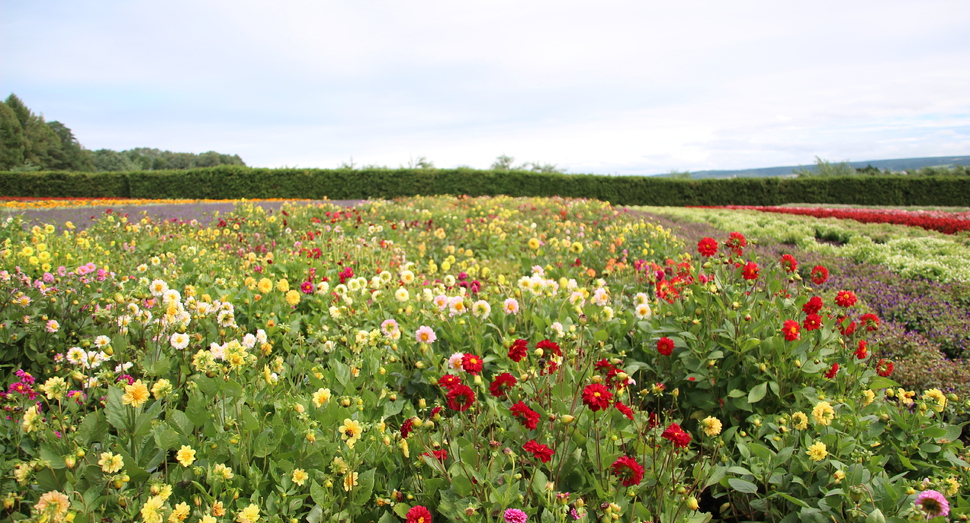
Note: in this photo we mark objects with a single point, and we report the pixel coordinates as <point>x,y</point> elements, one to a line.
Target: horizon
<point>624,88</point>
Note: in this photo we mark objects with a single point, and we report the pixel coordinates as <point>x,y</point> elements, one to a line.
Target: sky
<point>610,87</point>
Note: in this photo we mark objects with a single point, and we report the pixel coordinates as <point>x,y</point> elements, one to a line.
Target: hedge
<point>233,182</point>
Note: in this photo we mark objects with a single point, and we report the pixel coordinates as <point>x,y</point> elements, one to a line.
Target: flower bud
<point>567,419</point>
<point>692,503</point>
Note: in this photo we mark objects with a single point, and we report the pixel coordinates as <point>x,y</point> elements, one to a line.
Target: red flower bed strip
<point>942,221</point>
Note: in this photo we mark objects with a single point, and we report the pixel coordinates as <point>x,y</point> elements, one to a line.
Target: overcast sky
<point>627,87</point>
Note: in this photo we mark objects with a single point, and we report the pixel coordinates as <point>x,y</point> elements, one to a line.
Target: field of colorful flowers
<point>907,251</point>
<point>942,221</point>
<point>429,359</point>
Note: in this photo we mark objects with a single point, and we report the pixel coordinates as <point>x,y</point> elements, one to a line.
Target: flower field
<point>942,221</point>
<point>907,251</point>
<point>450,359</point>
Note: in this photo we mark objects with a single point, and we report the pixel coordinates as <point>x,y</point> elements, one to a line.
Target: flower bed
<point>942,221</point>
<point>461,359</point>
<point>25,202</point>
<point>907,251</point>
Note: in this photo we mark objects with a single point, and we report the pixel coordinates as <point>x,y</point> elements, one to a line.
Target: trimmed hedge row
<point>231,182</point>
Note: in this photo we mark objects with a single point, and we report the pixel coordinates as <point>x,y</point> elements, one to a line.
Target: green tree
<point>43,144</point>
<point>108,160</point>
<point>72,156</point>
<point>502,162</point>
<point>679,175</point>
<point>11,139</point>
<point>827,168</point>
<point>21,110</point>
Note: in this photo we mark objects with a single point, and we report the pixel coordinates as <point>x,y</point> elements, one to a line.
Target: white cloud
<point>615,87</point>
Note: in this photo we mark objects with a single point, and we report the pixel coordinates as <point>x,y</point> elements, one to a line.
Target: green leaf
<point>365,486</point>
<point>181,422</point>
<point>266,442</point>
<point>539,481</point>
<point>89,430</point>
<point>392,408</point>
<point>741,485</point>
<point>50,454</point>
<point>876,516</point>
<point>318,494</point>
<point>462,485</point>
<point>601,335</point>
<point>401,509</point>
<point>197,411</point>
<point>114,410</point>
<point>341,372</point>
<point>796,501</point>
<point>758,392</point>
<point>160,367</point>
<point>206,384</point>
<point>165,437</point>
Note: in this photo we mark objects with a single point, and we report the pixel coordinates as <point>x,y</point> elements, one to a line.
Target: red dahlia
<point>884,368</point>
<point>502,384</point>
<point>527,416</point>
<point>736,243</point>
<point>597,397</point>
<point>750,271</point>
<point>845,298</point>
<point>846,330</point>
<point>518,350</point>
<point>603,365</point>
<point>627,411</point>
<point>460,397</point>
<point>418,514</point>
<point>871,321</point>
<point>813,305</point>
<point>676,435</point>
<point>471,363</point>
<point>449,381</point>
<point>789,263</point>
<point>440,455</point>
<point>819,274</point>
<point>707,247</point>
<point>790,330</point>
<point>628,470</point>
<point>812,322</point>
<point>665,346</point>
<point>863,350</point>
<point>406,428</point>
<point>833,371</point>
<point>549,346</point>
<point>540,451</point>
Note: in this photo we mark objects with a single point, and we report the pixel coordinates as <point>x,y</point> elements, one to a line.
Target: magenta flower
<point>514,515</point>
<point>932,503</point>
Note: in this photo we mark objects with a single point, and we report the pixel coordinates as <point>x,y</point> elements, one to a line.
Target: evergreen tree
<point>72,156</point>
<point>21,110</point>
<point>11,139</point>
<point>43,144</point>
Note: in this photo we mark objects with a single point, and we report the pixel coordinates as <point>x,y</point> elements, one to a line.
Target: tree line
<point>30,143</point>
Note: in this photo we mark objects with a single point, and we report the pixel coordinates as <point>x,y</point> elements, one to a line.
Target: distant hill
<point>900,164</point>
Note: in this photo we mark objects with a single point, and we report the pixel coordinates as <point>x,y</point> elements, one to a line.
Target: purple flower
<point>514,515</point>
<point>932,503</point>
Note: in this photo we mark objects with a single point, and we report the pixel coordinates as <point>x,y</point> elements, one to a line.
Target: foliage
<point>504,162</point>
<point>146,159</point>
<point>231,181</point>
<point>827,169</point>
<point>296,365</point>
<point>28,143</point>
